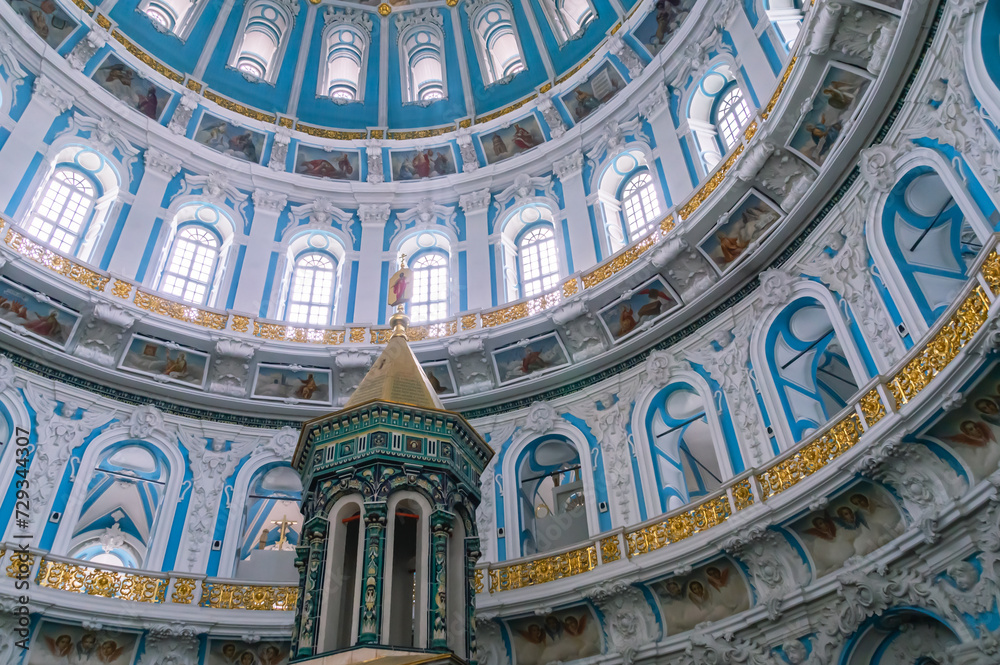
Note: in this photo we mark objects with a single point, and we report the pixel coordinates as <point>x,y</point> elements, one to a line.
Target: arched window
<point>640,205</point>
<point>190,268</point>
<point>430,287</point>
<point>271,526</point>
<point>346,39</point>
<point>422,58</point>
<point>808,366</point>
<point>172,16</point>
<point>120,507</point>
<point>930,240</point>
<point>683,432</point>
<point>731,115</point>
<point>496,42</point>
<point>550,496</point>
<point>310,295</point>
<point>568,18</point>
<point>539,260</point>
<point>264,36</point>
<point>64,209</point>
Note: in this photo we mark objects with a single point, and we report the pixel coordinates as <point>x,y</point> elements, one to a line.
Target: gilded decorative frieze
<point>285,333</point>
<point>504,111</point>
<point>811,458</point>
<point>477,581</point>
<point>357,335</point>
<point>180,311</point>
<point>324,133</point>
<point>155,64</point>
<point>990,271</point>
<point>942,348</point>
<point>376,133</point>
<point>520,310</point>
<point>103,21</point>
<point>468,322</point>
<point>20,564</point>
<point>667,225</point>
<point>286,122</point>
<point>742,494</point>
<point>240,324</point>
<point>610,549</point>
<point>121,289</point>
<point>678,527</point>
<point>540,571</point>
<point>57,264</point>
<point>872,407</point>
<point>571,287</point>
<point>236,107</point>
<point>575,69</point>
<point>777,91</point>
<point>248,597</point>
<point>84,6</point>
<point>420,133</point>
<point>191,84</point>
<point>183,593</point>
<point>619,262</point>
<point>97,582</point>
<point>720,173</point>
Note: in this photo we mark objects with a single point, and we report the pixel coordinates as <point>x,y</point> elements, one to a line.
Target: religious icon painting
<point>587,97</point>
<point>37,315</point>
<point>834,103</point>
<point>126,84</point>
<point>292,384</point>
<point>400,287</point>
<point>57,644</point>
<point>639,308</point>
<point>537,355</point>
<point>333,164</point>
<point>739,230</point>
<point>165,361</point>
<point>710,593</point>
<point>559,636</point>
<point>661,24</point>
<point>225,651</point>
<point>430,162</point>
<point>46,18</point>
<point>233,140</point>
<point>518,137</point>
<point>441,378</point>
<point>856,522</point>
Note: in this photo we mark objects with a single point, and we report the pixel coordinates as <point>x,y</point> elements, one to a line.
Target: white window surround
<point>432,238</point>
<point>431,280</point>
<point>263,39</point>
<point>640,205</point>
<point>216,220</point>
<point>700,103</point>
<point>422,62</point>
<point>178,17</point>
<point>191,265</point>
<point>611,182</point>
<point>509,251</point>
<point>311,295</point>
<point>498,45</point>
<point>731,115</point>
<point>345,44</point>
<point>568,18</point>
<point>62,212</point>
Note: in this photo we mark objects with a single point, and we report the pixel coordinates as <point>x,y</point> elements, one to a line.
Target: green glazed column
<point>374,563</point>
<point>441,526</point>
<point>472,554</point>
<point>316,531</point>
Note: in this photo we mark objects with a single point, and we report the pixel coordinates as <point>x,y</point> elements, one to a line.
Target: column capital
<point>270,201</point>
<point>475,201</point>
<point>569,166</point>
<point>374,213</point>
<point>656,102</point>
<point>47,90</point>
<point>160,162</point>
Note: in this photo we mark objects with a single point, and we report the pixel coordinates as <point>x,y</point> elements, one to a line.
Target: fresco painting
<point>332,164</point>
<point>441,378</point>
<point>238,142</point>
<point>746,224</point>
<point>645,304</point>
<point>972,431</point>
<point>560,636</point>
<point>237,652</point>
<point>837,99</point>
<point>506,142</point>
<point>127,85</point>
<point>660,24</point>
<point>707,594</point>
<point>854,523</point>
<point>533,356</point>
<point>166,362</point>
<point>422,163</point>
<point>46,18</point>
<point>281,382</point>
<point>587,97</point>
<point>56,644</point>
<point>44,320</point>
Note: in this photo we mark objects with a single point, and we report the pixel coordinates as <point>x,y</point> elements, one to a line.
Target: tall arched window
<point>732,113</point>
<point>422,62</point>
<point>264,36</point>
<point>63,210</point>
<point>568,18</point>
<point>930,240</point>
<point>550,496</point>
<point>173,16</point>
<point>271,526</point>
<point>539,260</point>
<point>496,42</point>
<point>310,295</point>
<point>640,205</point>
<point>190,268</point>
<point>120,507</point>
<point>430,287</point>
<point>346,39</point>
<point>808,366</point>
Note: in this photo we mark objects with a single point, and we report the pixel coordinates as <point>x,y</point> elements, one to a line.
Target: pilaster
<point>373,220</point>
<point>569,170</point>
<point>267,207</point>
<point>373,566</point>
<point>477,248</point>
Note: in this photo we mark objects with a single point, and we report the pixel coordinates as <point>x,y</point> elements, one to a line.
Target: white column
<point>656,109</point>
<point>267,206</point>
<point>569,170</point>
<point>367,299</point>
<point>128,252</point>
<point>477,248</point>
<point>750,54</point>
<point>48,101</point>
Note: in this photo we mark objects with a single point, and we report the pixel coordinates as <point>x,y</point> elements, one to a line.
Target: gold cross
<point>284,523</point>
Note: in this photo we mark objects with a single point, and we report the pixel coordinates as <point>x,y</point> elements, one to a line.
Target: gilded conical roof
<point>396,377</point>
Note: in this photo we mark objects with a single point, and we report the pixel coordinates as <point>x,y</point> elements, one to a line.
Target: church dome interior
<point>499,332</point>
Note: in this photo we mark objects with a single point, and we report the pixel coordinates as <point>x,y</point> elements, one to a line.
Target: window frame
<point>253,21</point>
<point>494,72</point>
<point>446,299</point>
<point>410,94</point>
<point>519,249</point>
<point>94,203</point>
<point>650,224</point>
<point>334,286</point>
<point>213,273</point>
<point>720,134</point>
